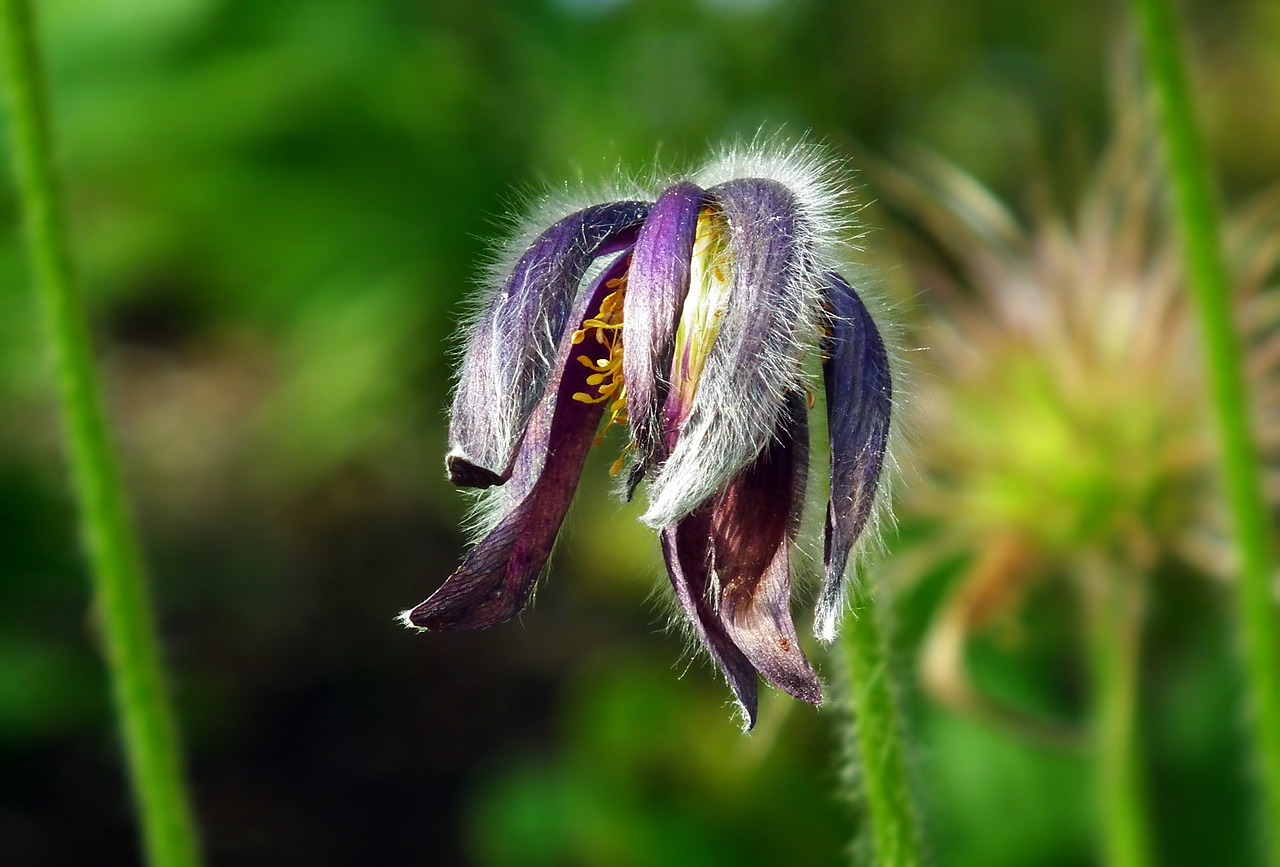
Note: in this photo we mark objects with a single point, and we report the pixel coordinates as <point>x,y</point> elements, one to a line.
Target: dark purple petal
<point>533,448</point>
<point>509,352</point>
<point>656,288</point>
<point>496,580</point>
<point>752,527</point>
<point>756,358</point>
<point>859,403</point>
<point>686,548</point>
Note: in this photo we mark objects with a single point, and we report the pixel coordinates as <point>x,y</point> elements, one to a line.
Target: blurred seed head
<point>1064,412</point>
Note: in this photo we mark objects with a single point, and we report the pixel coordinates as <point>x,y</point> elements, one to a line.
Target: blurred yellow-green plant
<point>1063,404</point>
<point>1064,418</point>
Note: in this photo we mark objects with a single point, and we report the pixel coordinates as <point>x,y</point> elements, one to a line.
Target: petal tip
<point>466,474</point>
<point>419,617</point>
<point>405,619</point>
<point>809,692</point>
<point>826,620</point>
<point>791,673</point>
<point>833,607</point>
<point>668,508</point>
<point>452,614</point>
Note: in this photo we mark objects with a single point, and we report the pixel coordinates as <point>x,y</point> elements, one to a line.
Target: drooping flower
<point>696,332</point>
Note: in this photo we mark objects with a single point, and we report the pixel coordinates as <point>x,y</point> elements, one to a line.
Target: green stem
<point>1210,285</point>
<point>876,732</point>
<point>1113,603</point>
<point>131,647</point>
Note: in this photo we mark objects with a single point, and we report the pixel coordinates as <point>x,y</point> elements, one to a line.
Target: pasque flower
<point>691,319</point>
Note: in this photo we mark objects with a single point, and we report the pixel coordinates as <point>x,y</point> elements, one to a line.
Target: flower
<point>695,335</point>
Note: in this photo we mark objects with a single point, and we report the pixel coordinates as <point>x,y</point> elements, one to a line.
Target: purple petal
<point>509,352</point>
<point>532,451</point>
<point>756,358</point>
<point>752,527</point>
<point>859,403</point>
<point>686,548</point>
<point>496,580</point>
<point>656,288</point>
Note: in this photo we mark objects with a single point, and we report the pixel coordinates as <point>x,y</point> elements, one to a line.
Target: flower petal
<point>752,527</point>
<point>656,288</point>
<point>757,358</point>
<point>496,580</point>
<point>509,351</point>
<point>859,391</point>
<point>686,548</point>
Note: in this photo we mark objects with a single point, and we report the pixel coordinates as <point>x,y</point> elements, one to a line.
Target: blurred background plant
<point>276,208</point>
<point>1066,430</point>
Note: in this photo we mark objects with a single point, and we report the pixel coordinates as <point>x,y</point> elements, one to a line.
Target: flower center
<point>606,366</point>
<point>704,307</point>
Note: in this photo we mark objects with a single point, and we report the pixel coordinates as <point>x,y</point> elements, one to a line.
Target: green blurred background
<point>277,207</point>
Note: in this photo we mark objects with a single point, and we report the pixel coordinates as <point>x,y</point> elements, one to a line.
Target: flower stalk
<point>1198,223</point>
<point>1113,600</point>
<point>131,647</point>
<point>876,732</point>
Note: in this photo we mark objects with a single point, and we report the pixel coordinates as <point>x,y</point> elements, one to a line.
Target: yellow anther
<point>606,376</point>
<point>617,465</point>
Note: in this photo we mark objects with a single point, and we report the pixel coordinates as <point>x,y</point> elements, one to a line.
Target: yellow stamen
<point>616,466</point>
<point>607,378</point>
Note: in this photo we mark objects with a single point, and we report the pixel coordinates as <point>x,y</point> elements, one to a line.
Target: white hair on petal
<point>823,186</point>
<point>815,175</point>
<point>530,215</point>
<point>869,282</point>
<point>719,439</point>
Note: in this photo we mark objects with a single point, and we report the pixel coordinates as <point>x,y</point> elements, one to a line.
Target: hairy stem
<point>1113,610</point>
<point>131,647</point>
<point>1198,221</point>
<point>876,731</point>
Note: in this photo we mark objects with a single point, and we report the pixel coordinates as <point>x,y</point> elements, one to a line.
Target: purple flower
<point>694,321</point>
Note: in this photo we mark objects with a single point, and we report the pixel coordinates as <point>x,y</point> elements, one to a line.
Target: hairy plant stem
<point>1199,226</point>
<point>1113,611</point>
<point>875,729</point>
<point>131,648</point>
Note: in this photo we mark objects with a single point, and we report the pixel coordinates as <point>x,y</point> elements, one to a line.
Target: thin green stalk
<point>1197,215</point>
<point>132,651</point>
<point>1113,604</point>
<point>876,731</point>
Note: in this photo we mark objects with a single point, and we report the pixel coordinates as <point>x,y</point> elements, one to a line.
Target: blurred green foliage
<point>277,208</point>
